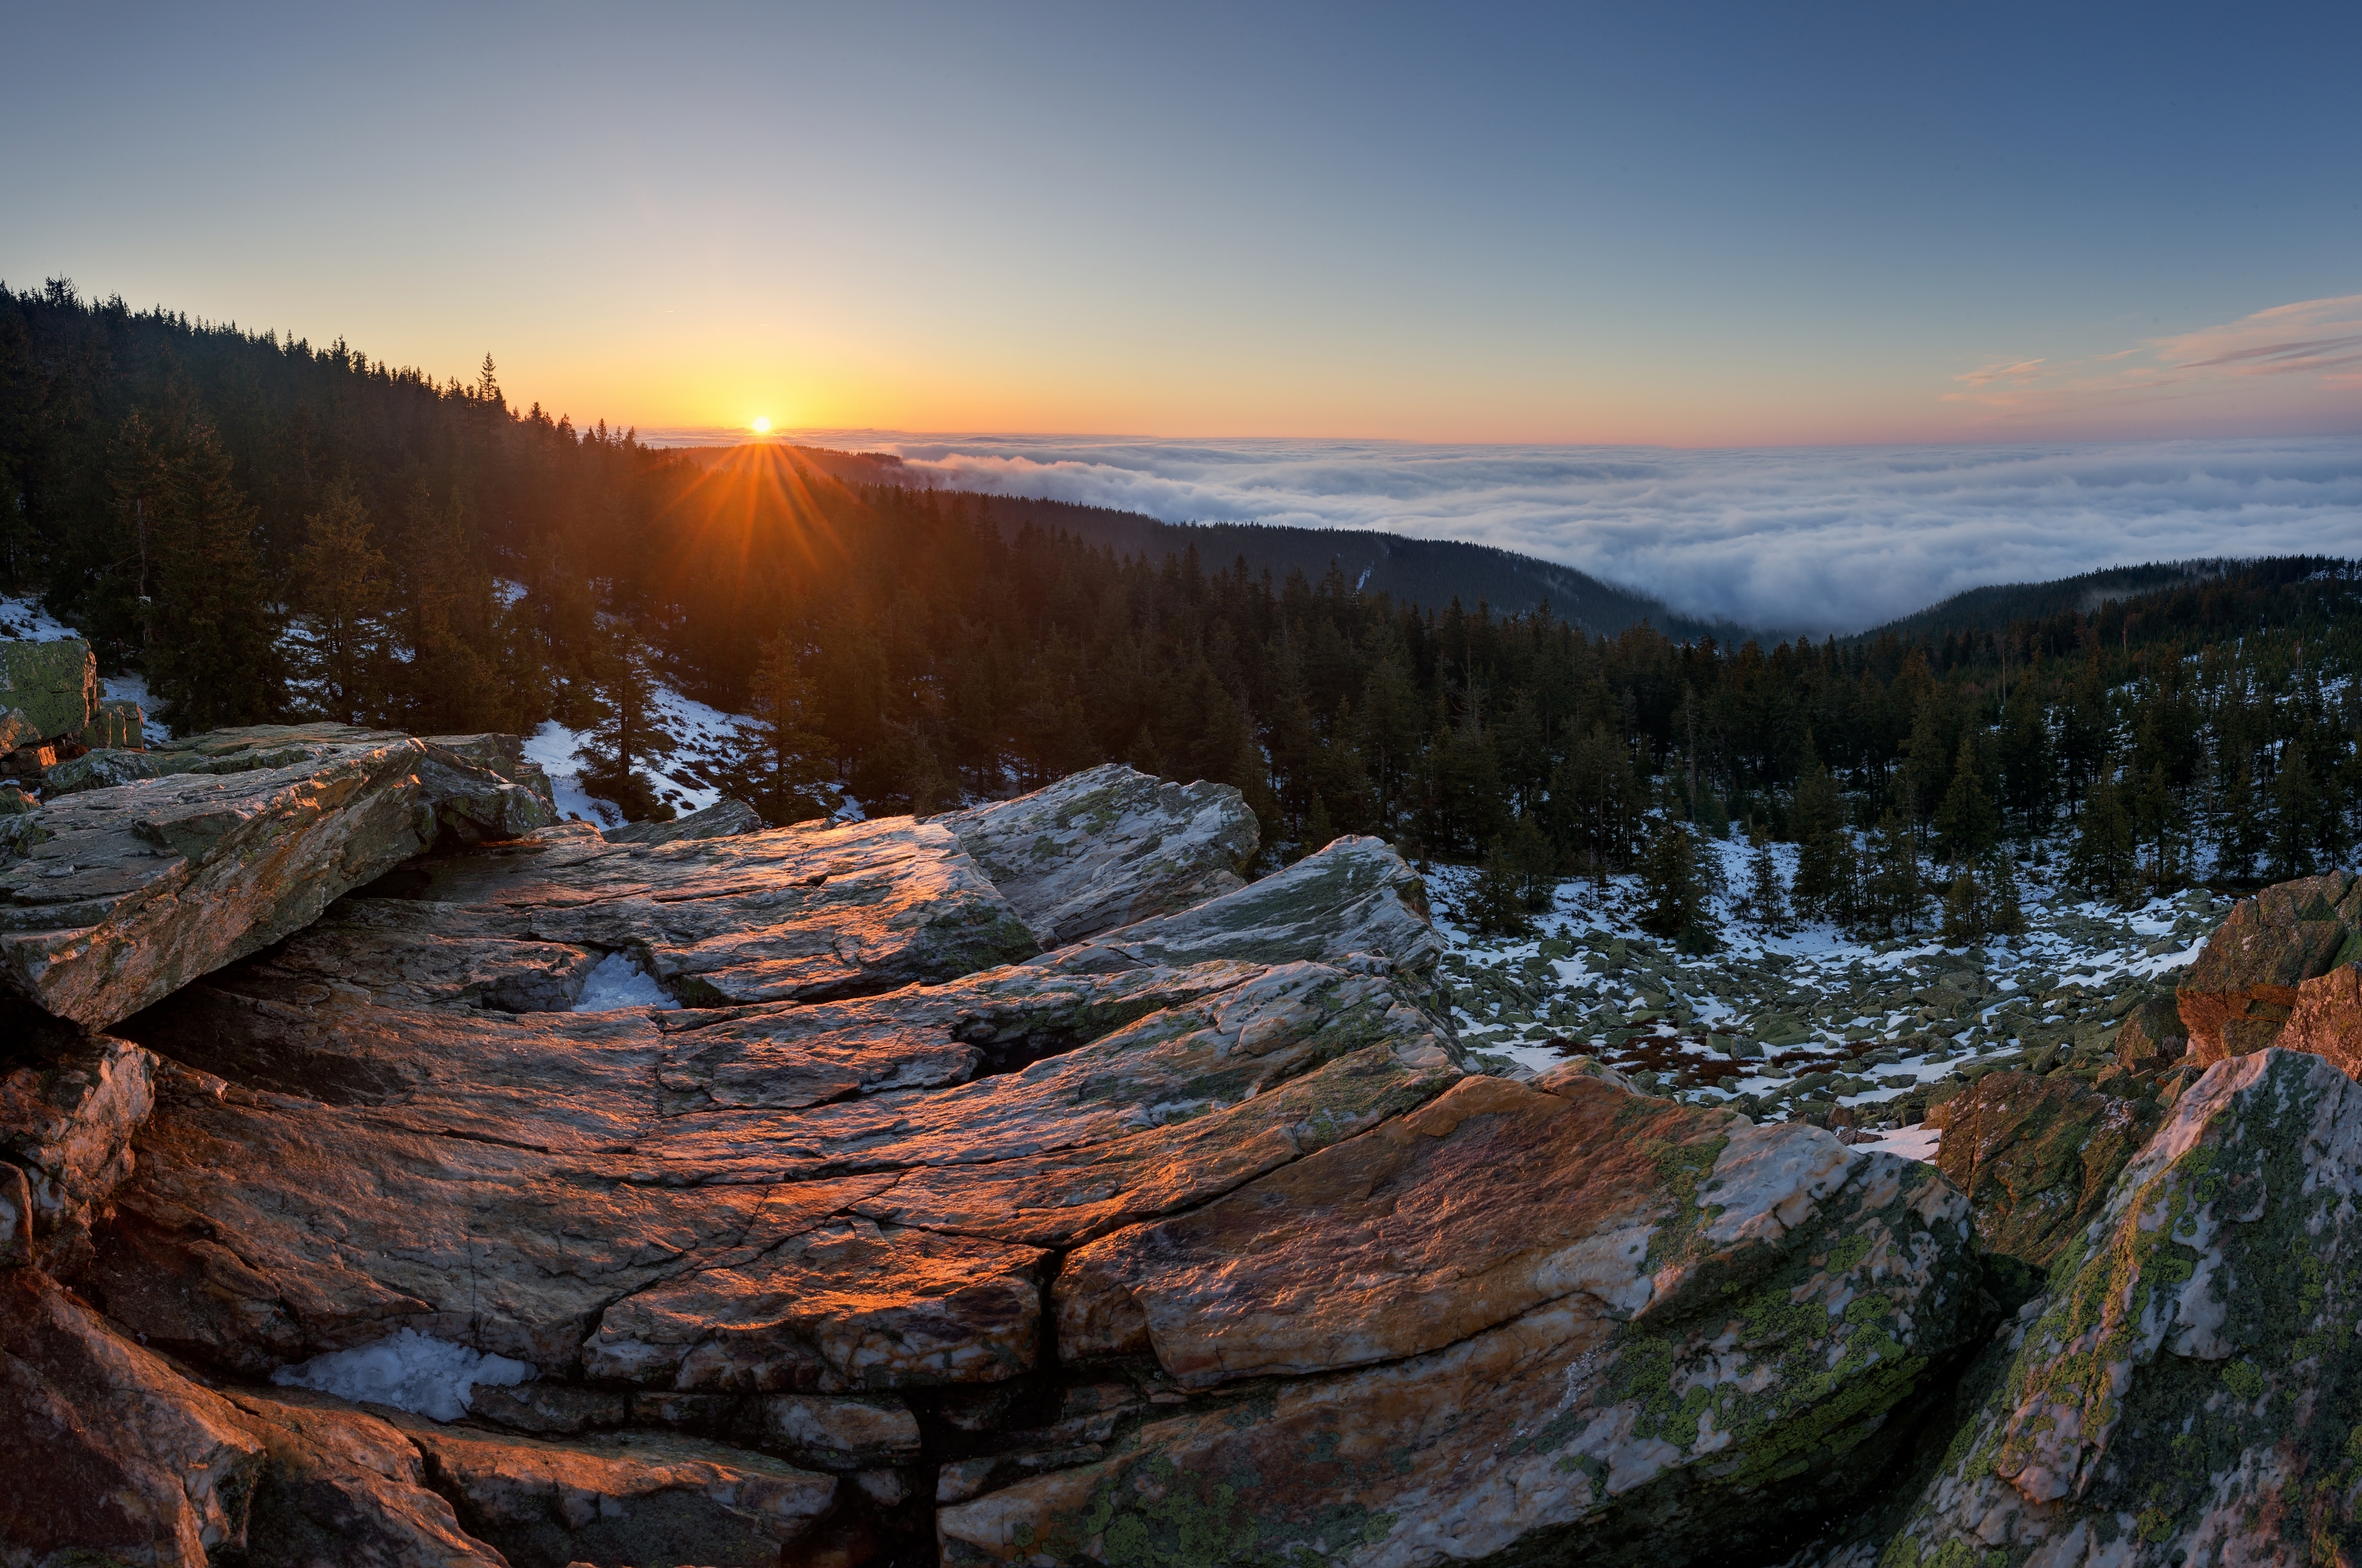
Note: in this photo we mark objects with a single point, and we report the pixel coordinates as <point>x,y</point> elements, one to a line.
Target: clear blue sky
<point>1735,224</point>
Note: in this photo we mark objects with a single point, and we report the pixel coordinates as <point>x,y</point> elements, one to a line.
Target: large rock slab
<point>1356,896</point>
<point>723,819</point>
<point>1673,1352</point>
<point>114,1456</point>
<point>2184,1392</point>
<point>53,685</point>
<point>2244,986</point>
<point>113,898</point>
<point>1109,847</point>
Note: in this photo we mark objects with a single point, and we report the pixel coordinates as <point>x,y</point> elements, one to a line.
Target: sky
<point>1730,226</point>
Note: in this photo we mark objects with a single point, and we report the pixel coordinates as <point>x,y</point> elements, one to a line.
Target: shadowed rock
<point>2036,1157</point>
<point>50,687</point>
<point>66,1124</point>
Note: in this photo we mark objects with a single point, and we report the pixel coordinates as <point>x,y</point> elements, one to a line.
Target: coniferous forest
<point>270,530</point>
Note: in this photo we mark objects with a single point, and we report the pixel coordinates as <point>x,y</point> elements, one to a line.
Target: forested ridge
<point>272,530</point>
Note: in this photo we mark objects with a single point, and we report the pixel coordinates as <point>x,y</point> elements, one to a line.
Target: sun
<point>762,426</point>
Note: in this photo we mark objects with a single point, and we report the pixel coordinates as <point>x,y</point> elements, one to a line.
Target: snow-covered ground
<point>1757,1022</point>
<point>704,738</point>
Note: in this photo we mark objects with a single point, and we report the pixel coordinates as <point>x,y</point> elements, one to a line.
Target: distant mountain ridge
<point>1431,573</point>
<point>1995,608</point>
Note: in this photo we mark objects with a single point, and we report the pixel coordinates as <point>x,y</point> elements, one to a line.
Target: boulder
<point>1356,896</point>
<point>115,1456</point>
<point>2242,989</point>
<point>2037,1157</point>
<point>53,685</point>
<point>112,899</point>
<point>2184,1392</point>
<point>1109,847</point>
<point>66,1122</point>
<point>1566,1323</point>
<point>723,819</point>
<point>2152,1036</point>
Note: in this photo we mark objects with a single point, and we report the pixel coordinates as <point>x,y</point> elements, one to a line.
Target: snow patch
<point>618,982</point>
<point>1911,1142</point>
<point>408,1371</point>
<point>25,621</point>
<point>133,689</point>
<point>553,747</point>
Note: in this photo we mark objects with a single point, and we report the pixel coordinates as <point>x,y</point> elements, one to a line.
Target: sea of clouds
<point>1816,539</point>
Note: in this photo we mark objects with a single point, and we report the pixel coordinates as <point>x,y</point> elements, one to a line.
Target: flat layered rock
<point>1357,895</point>
<point>113,898</point>
<point>1694,1350</point>
<point>723,819</point>
<point>2244,986</point>
<point>795,915</point>
<point>342,1488</point>
<point>1109,847</point>
<point>2183,1394</point>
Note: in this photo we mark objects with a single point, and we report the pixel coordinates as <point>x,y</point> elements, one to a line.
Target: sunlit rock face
<point>1021,1185</point>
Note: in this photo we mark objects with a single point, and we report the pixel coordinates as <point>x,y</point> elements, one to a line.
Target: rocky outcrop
<point>2243,988</point>
<point>114,897</point>
<point>1356,896</point>
<point>1109,847</point>
<point>2184,1392</point>
<point>116,1454</point>
<point>906,1240</point>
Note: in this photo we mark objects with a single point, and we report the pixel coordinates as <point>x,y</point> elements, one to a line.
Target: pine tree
<point>1595,804</point>
<point>1897,888</point>
<point>1532,862</point>
<point>786,758</point>
<point>212,644</point>
<point>2239,834</point>
<point>2296,805</point>
<point>342,585</point>
<point>1967,824</point>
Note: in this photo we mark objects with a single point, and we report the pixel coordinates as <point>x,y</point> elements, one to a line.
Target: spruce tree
<point>1767,893</point>
<point>212,645</point>
<point>1673,883</point>
<point>2296,805</point>
<point>2101,863</point>
<point>627,732</point>
<point>786,759</point>
<point>1495,905</point>
<point>342,585</point>
<point>1817,820</point>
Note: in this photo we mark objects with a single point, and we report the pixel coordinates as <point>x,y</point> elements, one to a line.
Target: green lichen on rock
<point>2190,1377</point>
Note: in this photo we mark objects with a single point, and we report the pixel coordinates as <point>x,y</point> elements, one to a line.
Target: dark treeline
<point>272,530</point>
